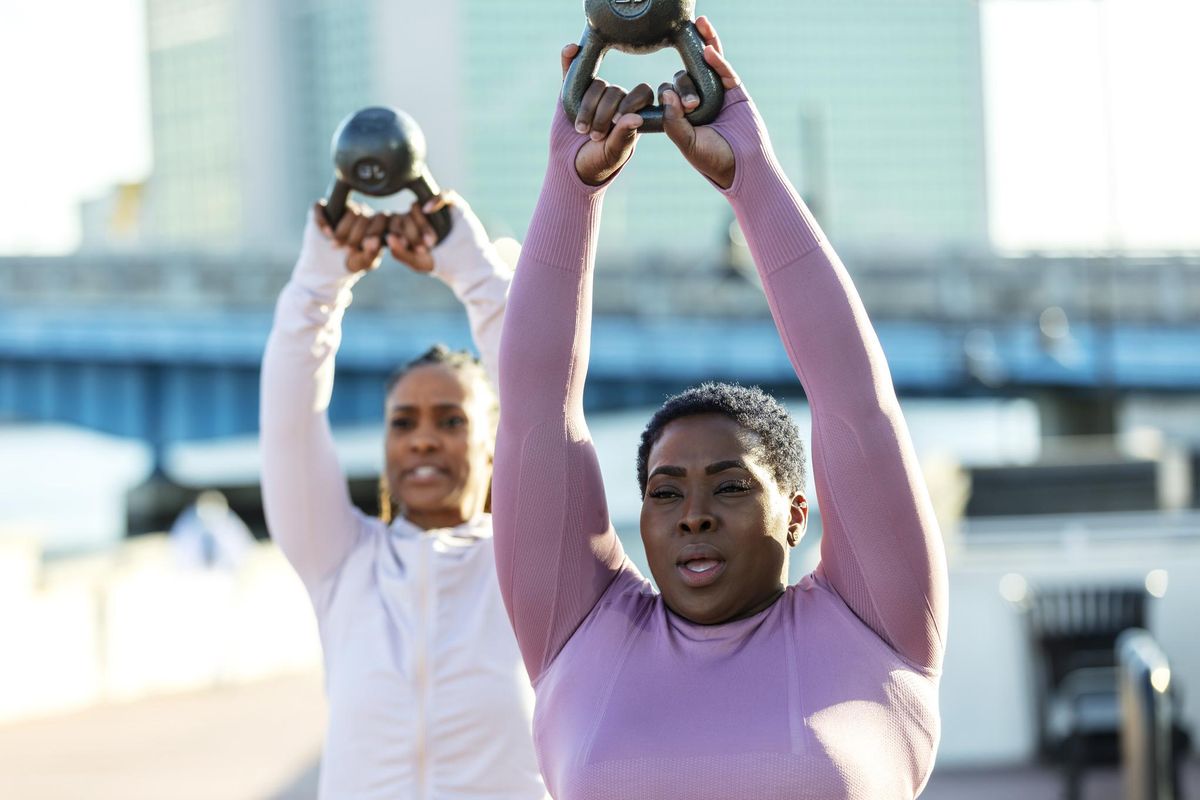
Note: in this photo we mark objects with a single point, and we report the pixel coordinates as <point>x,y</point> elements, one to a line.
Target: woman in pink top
<point>726,682</point>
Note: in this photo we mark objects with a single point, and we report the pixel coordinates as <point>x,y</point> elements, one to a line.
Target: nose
<point>696,519</point>
<point>424,440</point>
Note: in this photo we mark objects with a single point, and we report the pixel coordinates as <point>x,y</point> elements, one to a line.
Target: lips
<point>699,565</point>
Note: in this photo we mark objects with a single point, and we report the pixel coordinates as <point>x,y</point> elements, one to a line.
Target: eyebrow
<point>721,466</point>
<point>404,409</point>
<point>711,469</point>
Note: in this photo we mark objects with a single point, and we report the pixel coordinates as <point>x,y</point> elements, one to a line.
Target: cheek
<point>656,525</point>
<point>467,451</point>
<point>654,517</point>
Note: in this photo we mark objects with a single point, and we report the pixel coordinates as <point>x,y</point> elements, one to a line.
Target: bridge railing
<point>1152,740</point>
<point>967,289</point>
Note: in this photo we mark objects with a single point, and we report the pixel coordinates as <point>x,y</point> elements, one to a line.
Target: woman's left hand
<point>703,147</point>
<point>411,237</point>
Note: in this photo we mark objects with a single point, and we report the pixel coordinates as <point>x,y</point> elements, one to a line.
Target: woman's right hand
<point>359,232</point>
<point>608,115</point>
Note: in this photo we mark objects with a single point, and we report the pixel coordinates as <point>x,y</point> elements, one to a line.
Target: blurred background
<point>1013,185</point>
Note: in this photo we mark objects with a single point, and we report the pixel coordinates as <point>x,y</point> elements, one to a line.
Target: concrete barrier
<point>130,623</point>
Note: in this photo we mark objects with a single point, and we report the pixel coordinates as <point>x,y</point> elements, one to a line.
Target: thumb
<point>675,122</point>
<point>621,140</point>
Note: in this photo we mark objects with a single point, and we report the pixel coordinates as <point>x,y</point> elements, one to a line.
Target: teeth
<point>424,472</point>
<point>702,565</point>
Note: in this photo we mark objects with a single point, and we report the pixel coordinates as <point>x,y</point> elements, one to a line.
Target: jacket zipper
<point>422,673</point>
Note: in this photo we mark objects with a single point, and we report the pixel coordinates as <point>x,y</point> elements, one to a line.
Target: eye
<point>665,493</point>
<point>454,421</point>
<point>734,487</point>
<point>402,424</point>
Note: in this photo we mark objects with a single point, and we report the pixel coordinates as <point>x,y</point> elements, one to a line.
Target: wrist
<point>321,266</point>
<point>566,144</point>
<point>740,125</point>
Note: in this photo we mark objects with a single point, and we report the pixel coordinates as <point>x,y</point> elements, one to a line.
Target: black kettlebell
<point>379,151</point>
<point>643,26</point>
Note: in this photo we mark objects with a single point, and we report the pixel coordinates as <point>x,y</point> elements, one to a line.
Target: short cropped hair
<point>780,446</point>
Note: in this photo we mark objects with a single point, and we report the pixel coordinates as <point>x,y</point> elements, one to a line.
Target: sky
<point>1092,123</point>
<point>76,117</point>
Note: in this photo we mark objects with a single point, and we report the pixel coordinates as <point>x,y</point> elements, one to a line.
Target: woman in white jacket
<point>427,694</point>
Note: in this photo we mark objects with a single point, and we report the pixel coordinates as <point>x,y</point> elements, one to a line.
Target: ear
<point>798,523</point>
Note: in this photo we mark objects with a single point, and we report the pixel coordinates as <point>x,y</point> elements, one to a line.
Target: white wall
<point>131,624</point>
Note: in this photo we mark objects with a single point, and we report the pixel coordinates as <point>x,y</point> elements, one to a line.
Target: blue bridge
<point>166,376</point>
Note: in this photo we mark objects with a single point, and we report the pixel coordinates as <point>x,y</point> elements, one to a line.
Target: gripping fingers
<point>345,226</point>
<point>606,111</point>
<point>714,53</point>
<point>668,97</point>
<point>318,212</point>
<point>413,234</point>
<point>567,56</point>
<point>424,227</point>
<point>404,236</point>
<point>641,97</point>
<point>587,106</point>
<point>709,33</point>
<point>685,87</point>
<point>358,231</point>
<point>373,239</point>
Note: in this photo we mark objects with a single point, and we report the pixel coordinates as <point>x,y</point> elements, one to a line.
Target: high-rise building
<point>244,97</point>
<point>875,109</point>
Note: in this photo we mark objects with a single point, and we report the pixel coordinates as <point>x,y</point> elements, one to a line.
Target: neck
<point>435,518</point>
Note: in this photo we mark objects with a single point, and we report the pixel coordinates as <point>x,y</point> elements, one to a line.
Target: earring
<point>385,501</point>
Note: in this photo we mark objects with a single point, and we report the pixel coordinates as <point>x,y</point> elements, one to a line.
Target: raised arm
<point>881,550</point>
<point>556,551</point>
<point>305,497</point>
<point>468,263</point>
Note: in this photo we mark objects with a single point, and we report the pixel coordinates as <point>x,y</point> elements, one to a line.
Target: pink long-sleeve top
<point>831,692</point>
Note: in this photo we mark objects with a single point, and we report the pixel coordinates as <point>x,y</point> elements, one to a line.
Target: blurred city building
<point>875,109</point>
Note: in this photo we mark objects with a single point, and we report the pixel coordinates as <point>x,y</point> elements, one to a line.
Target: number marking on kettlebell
<point>630,8</point>
<point>371,172</point>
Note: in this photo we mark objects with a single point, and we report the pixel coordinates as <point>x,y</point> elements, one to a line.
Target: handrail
<point>1147,718</point>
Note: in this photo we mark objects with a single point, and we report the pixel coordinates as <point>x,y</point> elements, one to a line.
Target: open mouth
<point>699,566</point>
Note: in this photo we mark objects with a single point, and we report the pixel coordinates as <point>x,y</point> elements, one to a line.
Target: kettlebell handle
<point>335,202</point>
<point>690,46</point>
<point>424,187</point>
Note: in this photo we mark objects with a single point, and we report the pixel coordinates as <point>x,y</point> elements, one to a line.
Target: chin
<point>425,502</point>
<point>696,609</point>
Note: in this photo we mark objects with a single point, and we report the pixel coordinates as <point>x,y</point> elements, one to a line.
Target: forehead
<point>702,439</point>
<point>434,384</point>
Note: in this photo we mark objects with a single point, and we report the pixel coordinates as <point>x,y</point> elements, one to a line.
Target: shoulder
<point>369,533</point>
<point>628,597</point>
<point>821,612</point>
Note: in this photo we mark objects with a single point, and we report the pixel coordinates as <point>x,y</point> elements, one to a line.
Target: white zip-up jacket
<point>428,697</point>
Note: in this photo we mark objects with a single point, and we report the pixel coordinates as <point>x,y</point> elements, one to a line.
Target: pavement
<point>262,741</point>
<point>256,741</point>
